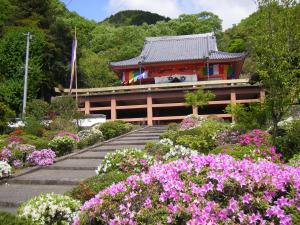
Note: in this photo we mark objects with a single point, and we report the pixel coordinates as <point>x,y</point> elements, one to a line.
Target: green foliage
<point>62,145</point>
<point>39,142</point>
<point>11,219</point>
<point>277,53</point>
<point>199,98</point>
<point>90,187</point>
<point>5,114</point>
<point>248,117</point>
<point>201,138</point>
<point>37,109</point>
<point>66,108</point>
<point>33,126</point>
<point>157,150</point>
<point>113,129</point>
<point>295,161</point>
<point>60,123</point>
<point>289,142</point>
<point>134,17</point>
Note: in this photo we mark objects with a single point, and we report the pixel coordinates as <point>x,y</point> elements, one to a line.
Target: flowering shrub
<point>49,209</point>
<point>90,136</point>
<point>228,137</point>
<point>126,160</point>
<point>68,134</point>
<point>44,157</point>
<point>191,121</point>
<point>5,169</point>
<point>201,190</point>
<point>178,152</point>
<point>159,149</point>
<point>250,152</point>
<point>256,137</point>
<point>5,154</point>
<point>62,145</point>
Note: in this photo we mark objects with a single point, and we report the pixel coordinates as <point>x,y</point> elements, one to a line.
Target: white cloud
<point>230,11</point>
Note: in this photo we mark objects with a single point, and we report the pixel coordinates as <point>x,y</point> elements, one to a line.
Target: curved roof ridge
<point>190,36</point>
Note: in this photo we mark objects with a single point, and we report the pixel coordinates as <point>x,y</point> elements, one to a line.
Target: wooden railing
<point>234,82</point>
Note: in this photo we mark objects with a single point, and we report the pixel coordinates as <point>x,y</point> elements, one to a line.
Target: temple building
<point>187,58</point>
<point>154,84</point>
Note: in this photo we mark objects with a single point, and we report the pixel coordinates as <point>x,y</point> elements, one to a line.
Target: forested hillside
<point>135,17</point>
<point>119,37</point>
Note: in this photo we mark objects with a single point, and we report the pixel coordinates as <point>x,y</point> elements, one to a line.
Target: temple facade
<point>154,84</point>
<point>174,59</point>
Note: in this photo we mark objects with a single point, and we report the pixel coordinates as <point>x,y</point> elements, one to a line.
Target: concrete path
<point>64,175</point>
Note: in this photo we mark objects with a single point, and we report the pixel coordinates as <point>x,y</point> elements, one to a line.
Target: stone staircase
<point>65,174</point>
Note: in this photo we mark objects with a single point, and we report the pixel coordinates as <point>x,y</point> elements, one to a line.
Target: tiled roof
<point>179,48</point>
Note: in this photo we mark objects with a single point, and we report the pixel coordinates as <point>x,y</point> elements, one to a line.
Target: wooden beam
<point>151,86</point>
<point>247,101</point>
<point>149,110</point>
<point>162,105</point>
<point>113,108</point>
<point>132,107</point>
<point>134,119</point>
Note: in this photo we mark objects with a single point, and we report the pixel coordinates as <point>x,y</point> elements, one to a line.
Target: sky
<point>230,11</point>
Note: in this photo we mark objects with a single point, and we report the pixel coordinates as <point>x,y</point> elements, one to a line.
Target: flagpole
<point>75,65</point>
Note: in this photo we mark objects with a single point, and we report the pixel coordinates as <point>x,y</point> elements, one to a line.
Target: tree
<point>199,98</point>
<point>278,56</point>
<point>5,114</point>
<point>37,109</point>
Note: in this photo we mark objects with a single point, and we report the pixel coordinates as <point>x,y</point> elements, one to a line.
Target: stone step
<point>110,148</point>
<point>85,164</point>
<point>128,142</point>
<point>12,210</point>
<point>11,195</point>
<point>53,177</point>
<point>133,138</point>
<point>90,155</point>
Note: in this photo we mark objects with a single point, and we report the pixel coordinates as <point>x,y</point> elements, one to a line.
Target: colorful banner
<point>129,77</point>
<point>73,62</point>
<point>217,69</point>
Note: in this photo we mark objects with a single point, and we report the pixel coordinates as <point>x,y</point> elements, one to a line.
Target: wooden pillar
<point>113,108</point>
<point>87,106</point>
<point>233,97</point>
<point>262,95</point>
<point>149,110</point>
<point>195,110</point>
<point>233,101</point>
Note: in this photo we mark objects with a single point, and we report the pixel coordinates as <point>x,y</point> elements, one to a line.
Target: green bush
<point>5,114</point>
<point>173,126</point>
<point>201,138</point>
<point>60,123</point>
<point>90,187</point>
<point>39,142</point>
<point>11,219</point>
<point>295,161</point>
<point>157,149</point>
<point>62,145</point>
<point>66,108</point>
<point>33,126</point>
<point>37,109</point>
<point>113,129</point>
<point>248,117</point>
<point>289,143</point>
<point>170,134</point>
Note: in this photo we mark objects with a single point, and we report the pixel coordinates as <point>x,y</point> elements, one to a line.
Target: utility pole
<point>28,36</point>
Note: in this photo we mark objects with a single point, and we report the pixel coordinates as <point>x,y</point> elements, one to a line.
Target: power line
<point>69,2</point>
